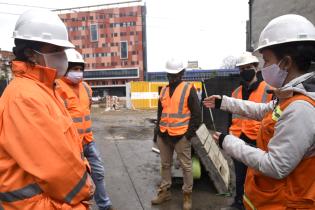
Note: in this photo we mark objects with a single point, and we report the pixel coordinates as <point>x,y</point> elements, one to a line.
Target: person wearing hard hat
<point>251,89</point>
<point>40,149</point>
<point>77,97</point>
<point>178,118</point>
<point>281,170</point>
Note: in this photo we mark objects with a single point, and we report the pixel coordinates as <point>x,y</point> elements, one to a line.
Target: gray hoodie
<point>294,136</point>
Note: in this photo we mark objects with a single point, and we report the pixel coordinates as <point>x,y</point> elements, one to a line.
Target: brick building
<point>262,11</point>
<point>112,42</point>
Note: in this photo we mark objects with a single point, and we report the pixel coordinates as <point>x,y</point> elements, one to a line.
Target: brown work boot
<point>162,196</point>
<point>187,203</point>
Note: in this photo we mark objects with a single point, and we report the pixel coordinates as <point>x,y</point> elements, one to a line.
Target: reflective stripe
<point>236,116</point>
<point>66,103</point>
<point>21,194</point>
<point>80,131</point>
<point>76,189</point>
<point>77,119</point>
<point>88,130</point>
<point>87,118</point>
<point>236,92</point>
<point>175,115</point>
<point>87,90</point>
<point>163,92</point>
<point>172,125</point>
<point>265,94</point>
<point>182,98</point>
<point>249,203</point>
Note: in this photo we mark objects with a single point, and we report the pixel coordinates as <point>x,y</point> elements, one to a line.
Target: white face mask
<point>273,75</point>
<point>56,60</point>
<point>75,76</point>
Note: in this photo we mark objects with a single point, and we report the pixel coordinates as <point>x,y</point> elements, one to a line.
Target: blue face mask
<point>274,75</point>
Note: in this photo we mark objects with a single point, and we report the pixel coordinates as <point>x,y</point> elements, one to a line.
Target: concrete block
<point>212,159</point>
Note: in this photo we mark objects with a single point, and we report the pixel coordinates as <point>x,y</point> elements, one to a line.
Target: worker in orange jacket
<point>254,89</point>
<point>42,166</point>
<point>179,116</point>
<point>77,97</point>
<point>281,169</point>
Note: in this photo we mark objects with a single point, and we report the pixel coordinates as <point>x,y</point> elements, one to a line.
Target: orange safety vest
<point>78,106</point>
<point>247,126</point>
<point>175,112</point>
<point>297,190</point>
<point>41,158</point>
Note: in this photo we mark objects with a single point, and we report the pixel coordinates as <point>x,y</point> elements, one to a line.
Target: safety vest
<point>297,190</point>
<point>175,112</point>
<point>78,106</point>
<point>247,126</point>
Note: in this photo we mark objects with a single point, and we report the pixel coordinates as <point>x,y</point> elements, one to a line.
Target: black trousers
<point>240,175</point>
<point>240,172</point>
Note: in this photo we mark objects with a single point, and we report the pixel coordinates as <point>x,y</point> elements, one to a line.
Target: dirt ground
<point>124,139</point>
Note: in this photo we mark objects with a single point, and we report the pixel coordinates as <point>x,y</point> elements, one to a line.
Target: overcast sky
<point>203,30</point>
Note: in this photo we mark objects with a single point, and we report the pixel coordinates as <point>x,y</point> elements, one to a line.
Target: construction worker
<point>281,170</point>
<point>251,89</point>
<point>77,97</point>
<point>42,165</point>
<point>178,118</point>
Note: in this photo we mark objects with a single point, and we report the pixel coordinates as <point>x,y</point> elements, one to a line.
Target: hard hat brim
<point>284,42</point>
<point>245,63</point>
<point>174,71</point>
<point>60,43</point>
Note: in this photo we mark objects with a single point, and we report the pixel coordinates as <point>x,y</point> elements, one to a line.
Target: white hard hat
<point>286,28</point>
<point>74,56</point>
<point>247,58</point>
<point>43,26</point>
<point>174,66</point>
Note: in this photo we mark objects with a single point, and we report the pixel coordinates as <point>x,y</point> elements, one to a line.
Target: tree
<point>229,62</point>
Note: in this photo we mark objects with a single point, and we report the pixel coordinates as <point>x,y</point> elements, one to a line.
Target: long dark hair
<point>21,46</point>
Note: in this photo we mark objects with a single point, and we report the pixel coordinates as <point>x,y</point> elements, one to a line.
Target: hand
<point>216,136</point>
<point>210,101</point>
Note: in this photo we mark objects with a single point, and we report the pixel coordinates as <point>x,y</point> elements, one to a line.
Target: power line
<point>25,5</point>
<point>9,13</point>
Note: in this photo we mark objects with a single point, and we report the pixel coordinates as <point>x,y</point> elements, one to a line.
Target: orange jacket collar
<point>40,73</point>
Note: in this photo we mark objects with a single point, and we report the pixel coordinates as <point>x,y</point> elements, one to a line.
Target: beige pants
<point>183,151</point>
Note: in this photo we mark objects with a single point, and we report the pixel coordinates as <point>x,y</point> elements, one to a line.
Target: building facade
<point>262,11</point>
<point>194,75</point>
<point>112,42</point>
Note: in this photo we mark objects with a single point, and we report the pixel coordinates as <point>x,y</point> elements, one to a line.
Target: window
<point>118,73</point>
<point>94,32</point>
<point>124,50</point>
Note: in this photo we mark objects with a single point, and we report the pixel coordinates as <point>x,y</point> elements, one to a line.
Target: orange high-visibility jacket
<point>175,112</point>
<point>247,126</point>
<point>41,165</point>
<point>297,190</point>
<point>77,99</point>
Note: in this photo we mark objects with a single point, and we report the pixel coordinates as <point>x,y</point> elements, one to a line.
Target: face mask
<point>273,75</point>
<point>75,76</point>
<point>248,75</point>
<point>56,60</point>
